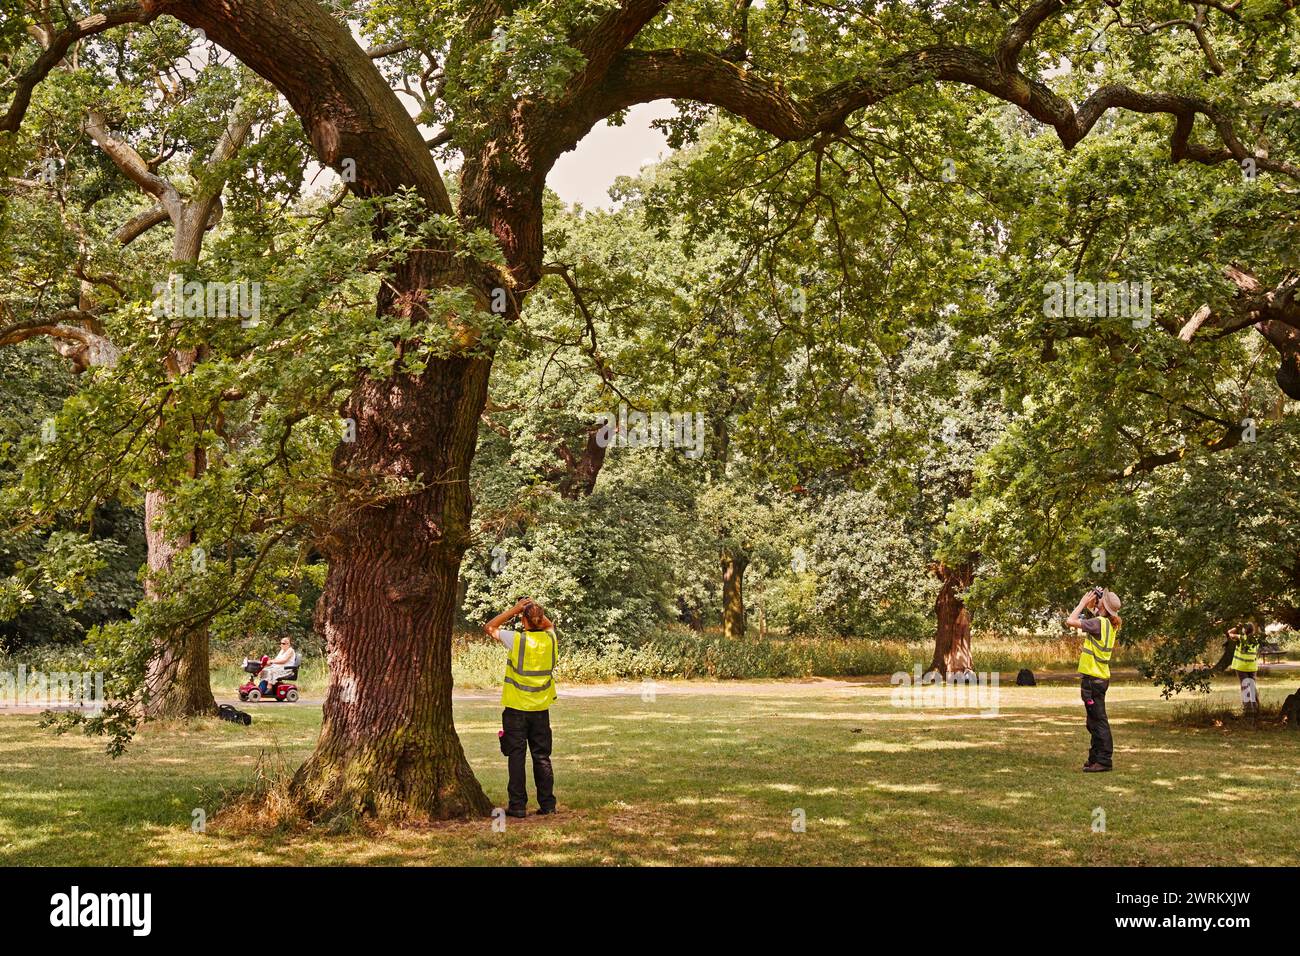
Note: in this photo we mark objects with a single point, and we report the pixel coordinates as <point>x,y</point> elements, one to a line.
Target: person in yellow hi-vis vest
<point>1094,669</point>
<point>527,692</point>
<point>1245,661</point>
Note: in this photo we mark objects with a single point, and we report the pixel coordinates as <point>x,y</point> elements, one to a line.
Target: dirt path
<point>787,687</point>
<point>801,686</point>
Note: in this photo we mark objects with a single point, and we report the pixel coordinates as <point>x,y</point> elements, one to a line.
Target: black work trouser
<point>528,730</point>
<point>1093,692</point>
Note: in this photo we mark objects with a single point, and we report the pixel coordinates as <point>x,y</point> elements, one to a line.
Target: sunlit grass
<point>714,778</point>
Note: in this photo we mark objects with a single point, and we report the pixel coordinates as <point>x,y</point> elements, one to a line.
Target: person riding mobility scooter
<point>277,683</point>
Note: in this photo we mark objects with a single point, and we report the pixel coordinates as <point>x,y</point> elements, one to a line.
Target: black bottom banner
<point>366,906</point>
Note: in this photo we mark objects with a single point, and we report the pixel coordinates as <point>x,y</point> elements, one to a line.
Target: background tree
<point>1116,419</point>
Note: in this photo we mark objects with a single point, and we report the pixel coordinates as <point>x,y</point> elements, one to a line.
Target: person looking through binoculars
<point>527,692</point>
<point>1099,629</point>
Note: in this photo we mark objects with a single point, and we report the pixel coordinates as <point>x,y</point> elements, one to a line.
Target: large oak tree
<point>513,86</point>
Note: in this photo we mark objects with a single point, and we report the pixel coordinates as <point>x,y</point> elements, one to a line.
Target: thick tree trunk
<point>952,653</point>
<point>733,594</point>
<point>388,747</point>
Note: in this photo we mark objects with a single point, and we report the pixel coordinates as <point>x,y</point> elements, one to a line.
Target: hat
<point>1110,601</point>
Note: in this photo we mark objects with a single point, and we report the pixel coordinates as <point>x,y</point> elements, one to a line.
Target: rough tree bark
<point>734,563</point>
<point>577,480</point>
<point>388,746</point>
<point>952,652</point>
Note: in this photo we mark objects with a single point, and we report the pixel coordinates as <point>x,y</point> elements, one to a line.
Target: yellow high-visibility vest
<point>1095,659</point>
<point>1243,658</point>
<point>529,684</point>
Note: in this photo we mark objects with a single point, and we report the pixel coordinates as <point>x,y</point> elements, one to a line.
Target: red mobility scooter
<point>281,689</point>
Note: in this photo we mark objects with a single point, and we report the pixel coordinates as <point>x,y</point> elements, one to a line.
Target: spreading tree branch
<point>640,76</point>
<point>57,44</point>
<point>84,348</point>
<point>133,166</point>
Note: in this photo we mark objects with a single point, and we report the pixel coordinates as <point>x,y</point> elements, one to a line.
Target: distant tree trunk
<point>691,615</point>
<point>1229,648</point>
<point>462,591</point>
<point>952,652</point>
<point>177,677</point>
<point>1290,616</point>
<point>1290,712</point>
<point>733,594</point>
<point>178,682</point>
<point>577,480</point>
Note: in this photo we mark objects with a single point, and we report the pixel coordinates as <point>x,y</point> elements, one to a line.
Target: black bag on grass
<point>226,712</point>
<point>1026,678</point>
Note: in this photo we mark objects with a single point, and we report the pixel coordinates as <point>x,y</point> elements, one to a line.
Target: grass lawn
<point>713,777</point>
